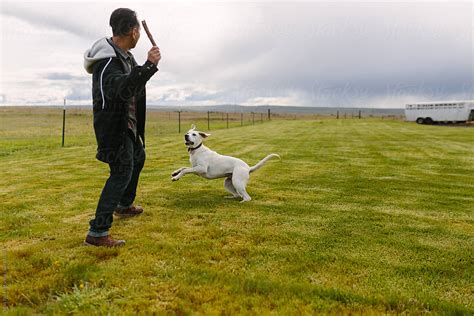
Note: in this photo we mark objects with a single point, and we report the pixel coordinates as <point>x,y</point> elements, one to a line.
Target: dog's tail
<point>263,161</point>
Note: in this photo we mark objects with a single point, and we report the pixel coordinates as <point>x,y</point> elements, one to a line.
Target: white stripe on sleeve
<point>101,76</point>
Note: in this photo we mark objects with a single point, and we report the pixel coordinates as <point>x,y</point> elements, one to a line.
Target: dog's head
<point>194,138</point>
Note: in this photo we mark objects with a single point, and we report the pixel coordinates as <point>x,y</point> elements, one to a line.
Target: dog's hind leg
<point>240,177</point>
<point>230,188</point>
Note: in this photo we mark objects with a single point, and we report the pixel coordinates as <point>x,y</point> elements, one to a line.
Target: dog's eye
<point>194,134</point>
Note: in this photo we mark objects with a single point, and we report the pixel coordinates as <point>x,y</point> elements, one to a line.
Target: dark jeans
<point>121,186</point>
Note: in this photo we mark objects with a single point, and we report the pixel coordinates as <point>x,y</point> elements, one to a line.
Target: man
<point>119,106</point>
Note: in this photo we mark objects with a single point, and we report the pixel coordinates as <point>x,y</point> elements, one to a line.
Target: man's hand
<point>154,55</point>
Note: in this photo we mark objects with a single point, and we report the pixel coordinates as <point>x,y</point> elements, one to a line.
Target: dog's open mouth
<point>187,141</point>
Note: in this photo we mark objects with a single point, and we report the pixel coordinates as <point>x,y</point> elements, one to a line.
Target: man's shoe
<point>105,241</point>
<point>133,210</point>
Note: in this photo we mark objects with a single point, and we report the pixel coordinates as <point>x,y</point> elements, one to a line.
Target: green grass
<point>364,216</point>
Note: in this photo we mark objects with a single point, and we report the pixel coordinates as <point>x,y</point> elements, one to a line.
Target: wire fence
<point>217,120</point>
<point>74,125</point>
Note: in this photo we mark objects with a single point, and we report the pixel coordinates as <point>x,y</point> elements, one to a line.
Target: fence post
<point>345,115</point>
<point>208,120</point>
<point>227,120</point>
<point>179,122</point>
<point>241,119</point>
<point>269,116</point>
<point>337,115</point>
<point>253,118</point>
<point>359,114</point>
<point>261,117</point>
<point>64,122</point>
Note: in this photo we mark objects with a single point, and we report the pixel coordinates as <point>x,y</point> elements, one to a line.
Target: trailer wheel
<point>420,120</point>
<point>428,120</point>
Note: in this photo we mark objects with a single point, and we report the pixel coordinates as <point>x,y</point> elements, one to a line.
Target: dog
<point>211,165</point>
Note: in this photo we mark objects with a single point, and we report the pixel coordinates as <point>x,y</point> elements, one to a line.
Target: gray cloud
<point>327,54</point>
<point>342,52</point>
<point>62,18</point>
<point>62,76</point>
<point>81,92</point>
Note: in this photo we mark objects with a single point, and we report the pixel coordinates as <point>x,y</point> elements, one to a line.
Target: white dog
<point>211,165</point>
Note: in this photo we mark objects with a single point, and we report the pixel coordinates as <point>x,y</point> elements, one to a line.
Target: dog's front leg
<point>196,170</point>
<point>178,171</point>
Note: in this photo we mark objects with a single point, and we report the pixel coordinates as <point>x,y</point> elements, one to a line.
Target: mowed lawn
<point>365,216</point>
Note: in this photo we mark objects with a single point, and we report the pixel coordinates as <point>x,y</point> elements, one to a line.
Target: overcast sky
<point>252,53</point>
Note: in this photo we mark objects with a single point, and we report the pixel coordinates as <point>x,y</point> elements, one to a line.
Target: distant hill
<point>280,109</point>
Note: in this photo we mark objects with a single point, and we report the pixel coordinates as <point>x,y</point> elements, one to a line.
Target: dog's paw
<point>231,197</point>
<point>175,173</point>
<point>174,178</point>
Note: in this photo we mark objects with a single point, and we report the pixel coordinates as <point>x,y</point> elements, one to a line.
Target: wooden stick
<point>145,27</point>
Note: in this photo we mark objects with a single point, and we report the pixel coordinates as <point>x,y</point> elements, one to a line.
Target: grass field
<point>365,216</point>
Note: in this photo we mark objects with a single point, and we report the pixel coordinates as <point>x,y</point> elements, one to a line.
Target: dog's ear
<point>204,135</point>
<point>193,127</point>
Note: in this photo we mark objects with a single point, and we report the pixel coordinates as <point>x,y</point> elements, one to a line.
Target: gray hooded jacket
<point>112,91</point>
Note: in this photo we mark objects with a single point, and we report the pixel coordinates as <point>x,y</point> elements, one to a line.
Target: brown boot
<point>133,210</point>
<point>105,241</point>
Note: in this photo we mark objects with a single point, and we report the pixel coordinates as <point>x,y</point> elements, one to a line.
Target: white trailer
<point>429,112</point>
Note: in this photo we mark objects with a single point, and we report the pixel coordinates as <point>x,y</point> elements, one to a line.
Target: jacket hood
<point>100,49</point>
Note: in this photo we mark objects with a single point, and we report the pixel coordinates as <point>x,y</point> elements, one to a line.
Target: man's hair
<point>122,21</point>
